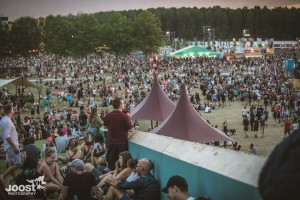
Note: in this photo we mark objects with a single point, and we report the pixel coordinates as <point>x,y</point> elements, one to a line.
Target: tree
<point>57,35</point>
<point>25,36</point>
<point>4,44</point>
<point>87,35</point>
<point>147,33</point>
<point>235,21</point>
<point>297,65</point>
<point>117,32</point>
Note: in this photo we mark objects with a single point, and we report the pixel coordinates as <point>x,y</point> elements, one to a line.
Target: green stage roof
<point>194,51</point>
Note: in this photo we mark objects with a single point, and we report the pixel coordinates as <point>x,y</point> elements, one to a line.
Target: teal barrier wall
<point>202,180</point>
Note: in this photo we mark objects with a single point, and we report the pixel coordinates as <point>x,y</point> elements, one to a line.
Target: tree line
<point>122,32</point>
<point>280,23</point>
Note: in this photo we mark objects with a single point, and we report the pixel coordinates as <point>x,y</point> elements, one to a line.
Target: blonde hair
<point>93,115</point>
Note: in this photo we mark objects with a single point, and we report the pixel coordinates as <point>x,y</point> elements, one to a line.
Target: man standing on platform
<point>119,130</point>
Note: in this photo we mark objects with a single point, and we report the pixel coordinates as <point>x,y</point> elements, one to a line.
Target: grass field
<point>38,143</point>
<point>273,132</point>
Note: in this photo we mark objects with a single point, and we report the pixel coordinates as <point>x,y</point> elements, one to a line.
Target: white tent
<point>18,82</point>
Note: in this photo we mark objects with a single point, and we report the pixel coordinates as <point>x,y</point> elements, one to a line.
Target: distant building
<point>4,20</point>
<point>285,44</point>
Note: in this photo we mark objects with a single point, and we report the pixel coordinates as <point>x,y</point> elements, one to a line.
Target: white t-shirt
<point>207,109</point>
<point>132,177</point>
<point>191,198</point>
<point>8,130</point>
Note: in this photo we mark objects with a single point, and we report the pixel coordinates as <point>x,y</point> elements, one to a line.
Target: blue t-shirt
<point>61,143</point>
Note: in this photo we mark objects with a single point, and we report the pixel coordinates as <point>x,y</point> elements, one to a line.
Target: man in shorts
<point>10,138</point>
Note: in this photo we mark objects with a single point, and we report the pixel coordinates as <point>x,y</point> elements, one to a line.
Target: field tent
<point>155,106</point>
<point>19,81</point>
<point>195,51</point>
<point>185,123</point>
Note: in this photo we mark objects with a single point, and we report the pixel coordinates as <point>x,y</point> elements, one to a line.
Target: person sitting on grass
<point>32,150</point>
<point>29,172</point>
<point>99,147</point>
<point>100,177</point>
<point>129,174</point>
<point>117,174</point>
<point>79,184</point>
<point>49,144</point>
<point>73,152</point>
<point>50,169</point>
<point>146,187</point>
<point>207,109</point>
<point>61,142</point>
<point>95,123</point>
<point>86,149</point>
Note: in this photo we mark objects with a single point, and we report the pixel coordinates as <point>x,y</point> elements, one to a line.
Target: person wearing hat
<point>49,144</point>
<point>79,183</point>
<point>177,189</point>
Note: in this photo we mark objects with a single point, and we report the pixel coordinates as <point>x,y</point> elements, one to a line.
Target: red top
<point>118,125</point>
<point>287,125</point>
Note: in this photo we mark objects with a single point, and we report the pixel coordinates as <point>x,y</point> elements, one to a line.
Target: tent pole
<point>22,91</point>
<point>38,107</point>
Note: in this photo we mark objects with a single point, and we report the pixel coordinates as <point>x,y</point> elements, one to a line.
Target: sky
<point>13,9</point>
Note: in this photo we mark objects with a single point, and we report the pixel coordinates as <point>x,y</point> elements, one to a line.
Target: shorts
<point>125,197</point>
<point>246,128</point>
<point>12,157</point>
<point>96,174</point>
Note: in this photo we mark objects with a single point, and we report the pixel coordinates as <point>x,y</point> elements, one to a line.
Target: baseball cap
<point>49,139</point>
<point>79,164</point>
<point>175,180</point>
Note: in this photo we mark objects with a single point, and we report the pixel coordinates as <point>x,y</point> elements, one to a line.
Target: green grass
<point>39,144</point>
<point>144,124</point>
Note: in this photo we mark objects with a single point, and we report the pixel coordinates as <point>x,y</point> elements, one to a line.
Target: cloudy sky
<point>41,8</point>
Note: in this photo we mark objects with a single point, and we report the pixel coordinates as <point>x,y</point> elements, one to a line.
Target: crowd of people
<point>123,177</point>
<point>95,142</point>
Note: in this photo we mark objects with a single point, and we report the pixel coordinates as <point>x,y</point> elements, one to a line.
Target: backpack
<point>246,121</point>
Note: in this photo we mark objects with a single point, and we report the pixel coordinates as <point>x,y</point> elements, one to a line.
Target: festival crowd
<point>77,96</point>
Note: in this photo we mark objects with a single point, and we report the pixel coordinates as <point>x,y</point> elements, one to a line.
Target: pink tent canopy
<point>156,105</point>
<point>185,123</point>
